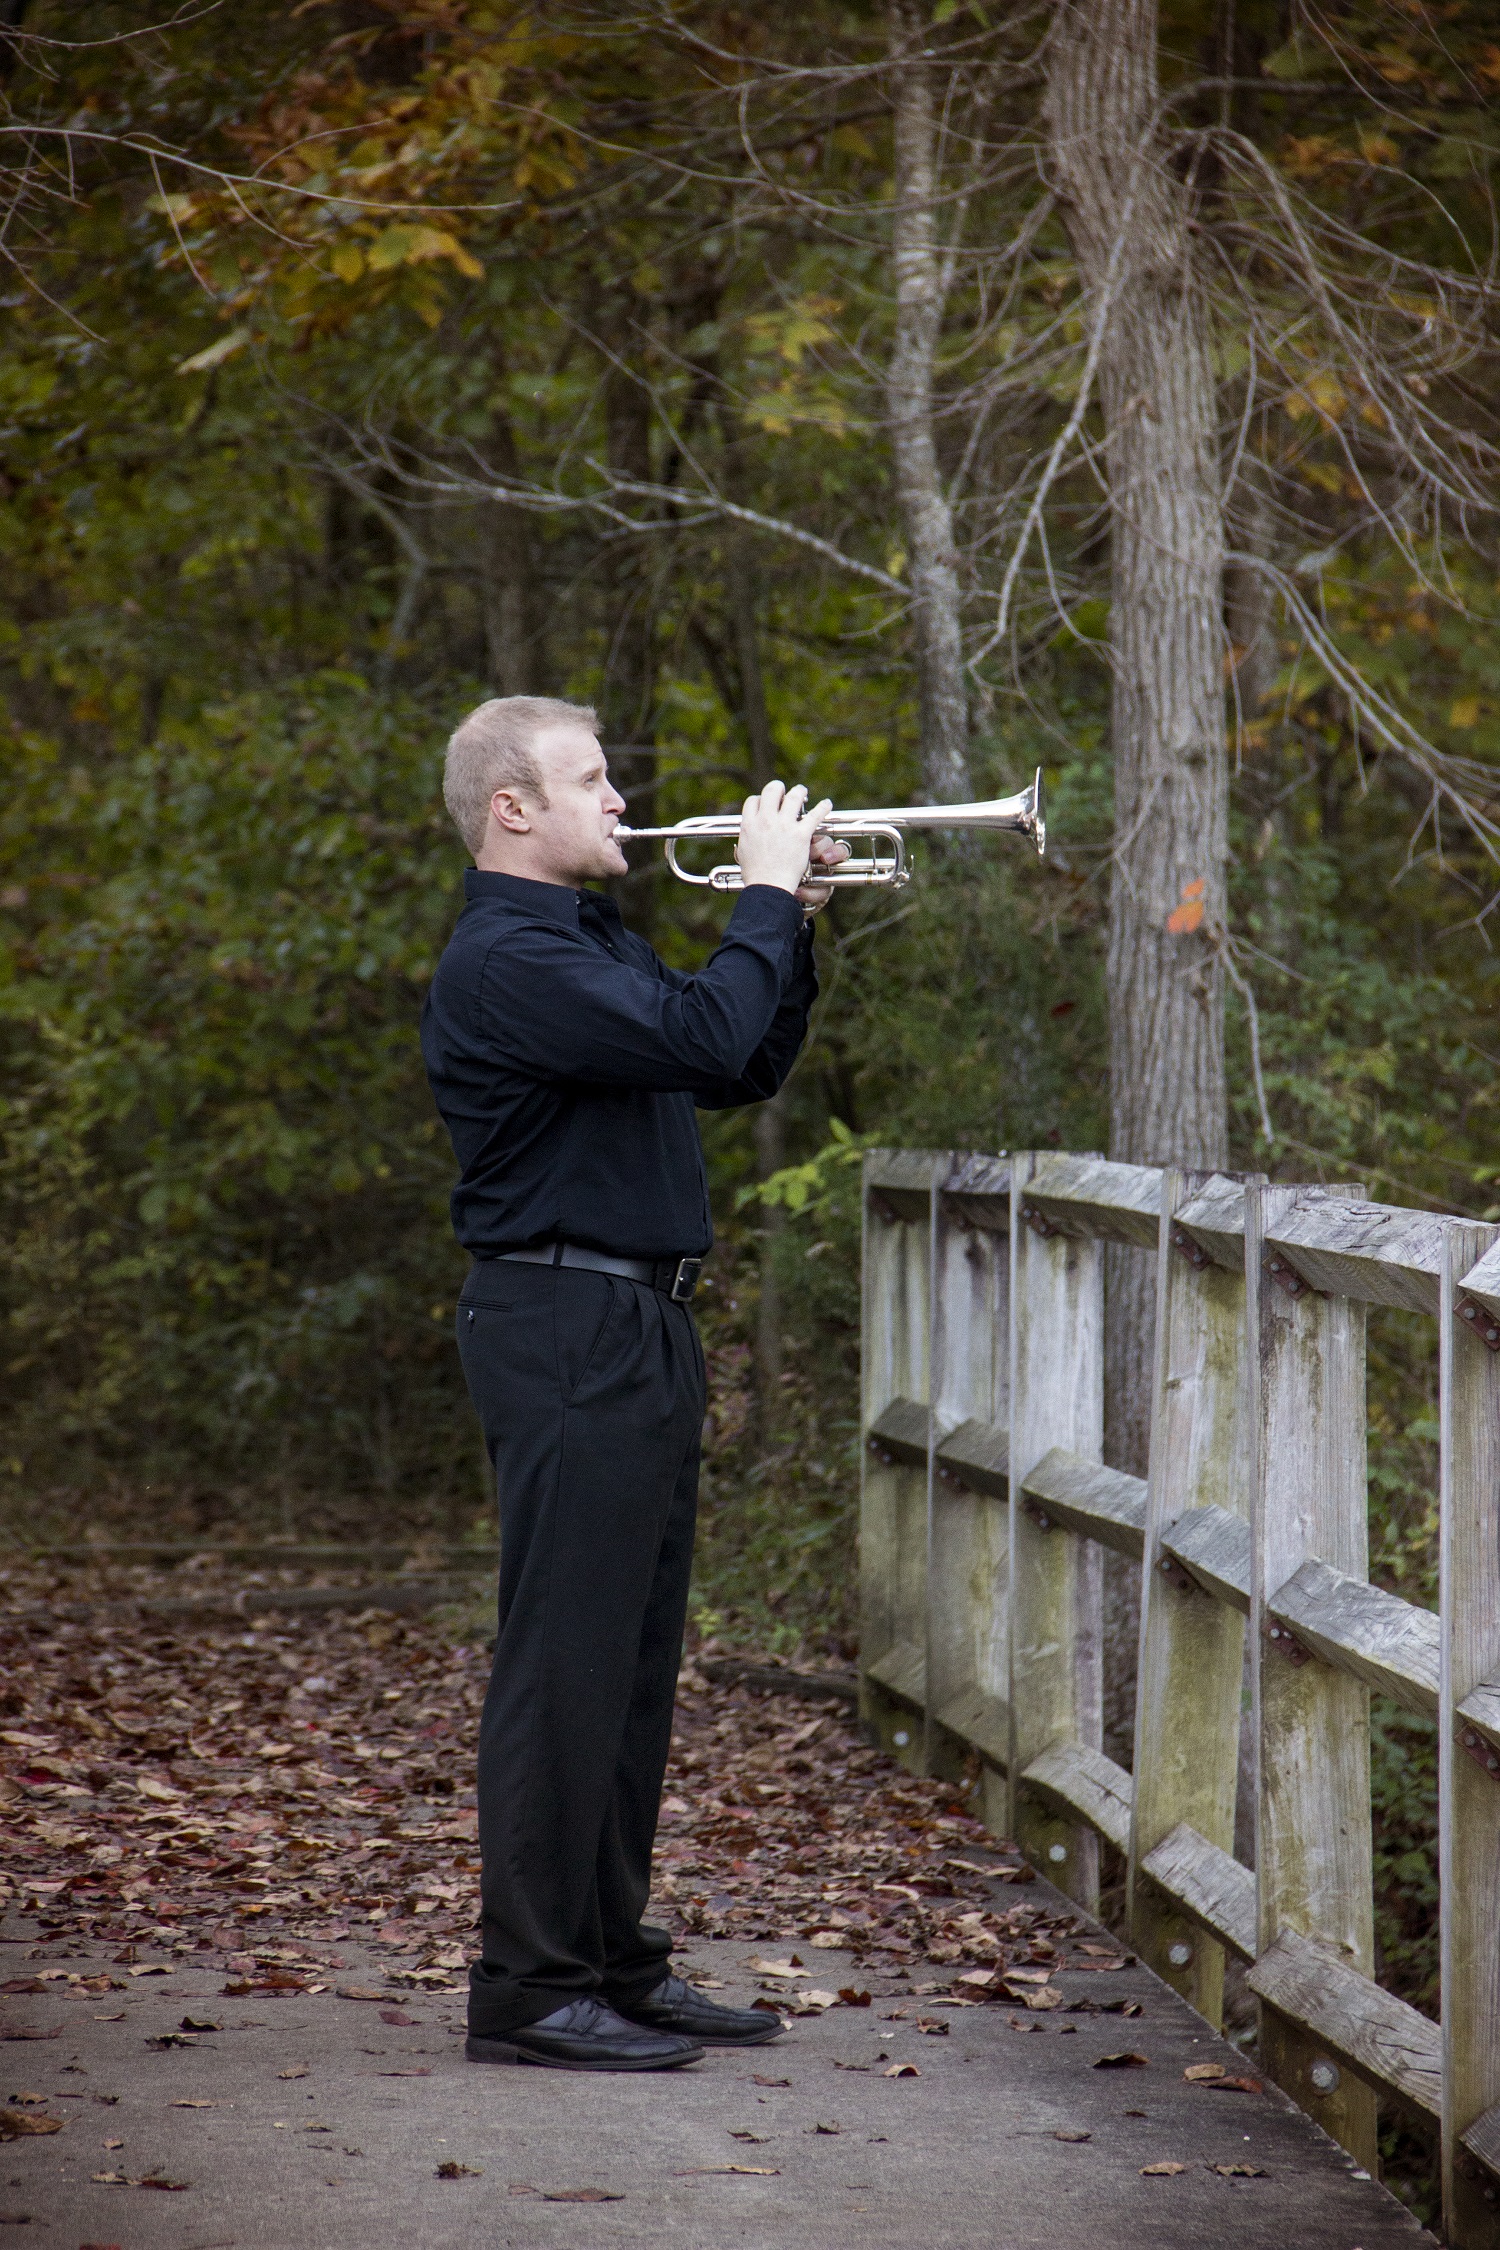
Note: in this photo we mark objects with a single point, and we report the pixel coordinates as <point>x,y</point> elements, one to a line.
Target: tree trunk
<point>927,520</point>
<point>1167,899</point>
<point>508,580</point>
<point>628,703</point>
<point>1166,992</point>
<point>740,586</point>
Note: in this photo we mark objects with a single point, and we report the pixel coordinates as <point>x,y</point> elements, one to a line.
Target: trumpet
<point>883,829</point>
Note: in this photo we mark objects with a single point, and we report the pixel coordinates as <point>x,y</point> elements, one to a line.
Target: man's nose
<point>613,801</point>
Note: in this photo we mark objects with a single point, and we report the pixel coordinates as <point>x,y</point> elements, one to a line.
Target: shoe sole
<point>750,2039</point>
<point>501,2051</point>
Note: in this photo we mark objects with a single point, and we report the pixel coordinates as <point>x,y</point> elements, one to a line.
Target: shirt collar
<point>556,900</point>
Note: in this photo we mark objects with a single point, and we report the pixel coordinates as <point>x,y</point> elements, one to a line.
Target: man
<point>566,1060</point>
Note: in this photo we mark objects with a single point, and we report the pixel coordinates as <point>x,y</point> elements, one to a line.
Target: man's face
<point>574,830</point>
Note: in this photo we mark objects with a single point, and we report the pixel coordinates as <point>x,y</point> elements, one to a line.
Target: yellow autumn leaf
<point>1464,711</point>
<point>413,245</point>
<point>348,261</point>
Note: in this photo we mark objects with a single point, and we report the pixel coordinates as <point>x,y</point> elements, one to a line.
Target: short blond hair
<point>493,748</point>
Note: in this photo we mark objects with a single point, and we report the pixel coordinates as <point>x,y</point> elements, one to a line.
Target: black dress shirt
<point>566,1059</point>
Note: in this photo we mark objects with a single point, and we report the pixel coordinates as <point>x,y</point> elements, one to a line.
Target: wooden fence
<point>981,1618</point>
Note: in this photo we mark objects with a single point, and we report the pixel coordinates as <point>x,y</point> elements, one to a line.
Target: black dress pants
<point>591,1393</point>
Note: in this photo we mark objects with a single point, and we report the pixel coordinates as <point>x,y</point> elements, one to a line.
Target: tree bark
<point>1165,982</point>
<point>507,563</point>
<point>627,706</point>
<point>927,519</point>
<point>740,586</point>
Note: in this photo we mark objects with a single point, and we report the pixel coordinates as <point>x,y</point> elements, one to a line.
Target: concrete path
<point>312,2122</point>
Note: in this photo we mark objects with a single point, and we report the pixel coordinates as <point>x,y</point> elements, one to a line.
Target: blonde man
<point>567,1060</point>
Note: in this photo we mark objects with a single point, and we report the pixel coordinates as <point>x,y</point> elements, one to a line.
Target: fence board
<point>1085,1196</point>
<point>1074,1779</point>
<point>1098,1503</point>
<point>1209,1884</point>
<point>1377,1253</point>
<point>1306,1358</point>
<point>1468,1793</point>
<point>1388,1643</point>
<point>1056,1399</point>
<point>1213,1547</point>
<point>1342,2015</point>
<point>968,1560</point>
<point>1191,1659</point>
<point>893,1483</point>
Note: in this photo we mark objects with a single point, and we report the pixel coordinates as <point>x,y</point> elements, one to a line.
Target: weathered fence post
<point>1191,1644</point>
<point>894,1458</point>
<point>1056,1399</point>
<point>1469,1744</point>
<point>967,1554</point>
<point>1313,1844</point>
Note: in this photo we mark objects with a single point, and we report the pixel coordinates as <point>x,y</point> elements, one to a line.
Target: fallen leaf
<point>757,2080</point>
<point>762,1968</point>
<point>590,2194</point>
<point>398,2016</point>
<point>698,2171</point>
<point>452,2170</point>
<point>824,2128</point>
<point>1239,2171</point>
<point>850,1998</point>
<point>1199,2074</point>
<point>16,2124</point>
<point>298,2070</point>
<point>743,2134</point>
<point>810,2003</point>
<point>1129,2060</point>
<point>197,2023</point>
<point>151,1969</point>
<point>1017,1976</point>
<point>1071,2133</point>
<point>111,2144</point>
<point>191,2102</point>
<point>34,2031</point>
<point>1234,2086</point>
<point>901,2070</point>
<point>359,1992</point>
<point>1166,2170</point>
<point>147,2180</point>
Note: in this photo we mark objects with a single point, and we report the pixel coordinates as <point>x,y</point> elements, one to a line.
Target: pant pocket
<point>582,1309</point>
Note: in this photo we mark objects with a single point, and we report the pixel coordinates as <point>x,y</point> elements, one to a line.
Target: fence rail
<point>985,1504</point>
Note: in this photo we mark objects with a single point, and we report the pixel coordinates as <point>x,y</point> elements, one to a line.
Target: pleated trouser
<point>590,1391</point>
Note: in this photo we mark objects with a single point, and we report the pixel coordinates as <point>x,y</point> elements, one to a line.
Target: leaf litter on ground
<point>246,1795</point>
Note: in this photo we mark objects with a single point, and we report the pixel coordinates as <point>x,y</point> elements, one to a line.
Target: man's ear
<point>509,812</point>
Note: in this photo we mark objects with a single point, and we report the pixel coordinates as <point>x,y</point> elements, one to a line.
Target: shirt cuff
<point>761,909</point>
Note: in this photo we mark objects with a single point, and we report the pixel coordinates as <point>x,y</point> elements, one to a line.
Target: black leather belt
<point>676,1278</point>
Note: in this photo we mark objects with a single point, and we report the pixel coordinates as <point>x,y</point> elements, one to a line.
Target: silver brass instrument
<point>1024,814</point>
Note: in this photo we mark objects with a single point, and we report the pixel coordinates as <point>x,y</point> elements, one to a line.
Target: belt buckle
<point>685,1280</point>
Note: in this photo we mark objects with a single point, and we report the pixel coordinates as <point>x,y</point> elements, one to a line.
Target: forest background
<point>745,372</point>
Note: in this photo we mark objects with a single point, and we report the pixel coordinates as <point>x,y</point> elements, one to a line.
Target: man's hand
<point>778,837</point>
<point>827,851</point>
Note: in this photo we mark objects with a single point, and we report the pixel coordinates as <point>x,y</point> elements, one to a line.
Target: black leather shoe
<point>675,2006</point>
<point>587,2035</point>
